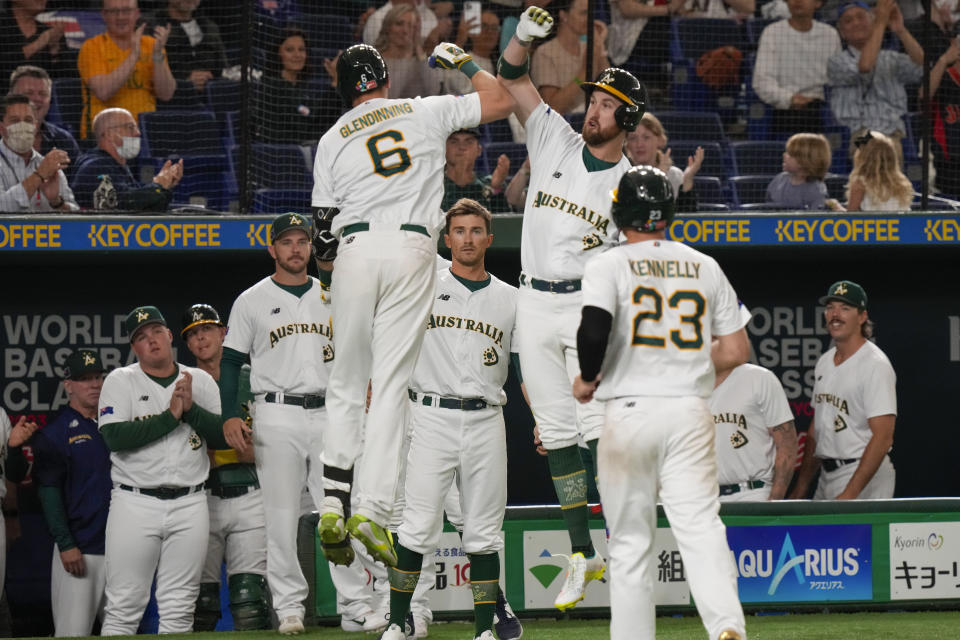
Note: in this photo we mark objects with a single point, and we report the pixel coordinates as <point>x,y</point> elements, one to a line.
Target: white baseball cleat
<point>367,623</point>
<point>291,626</point>
<point>486,635</point>
<point>420,626</point>
<point>580,571</point>
<point>393,632</point>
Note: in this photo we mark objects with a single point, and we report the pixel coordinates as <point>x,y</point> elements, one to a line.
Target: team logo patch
<point>88,359</point>
<point>591,241</point>
<point>73,424</point>
<point>443,296</point>
<point>738,439</point>
<point>106,410</point>
<point>327,353</point>
<point>490,357</point>
<point>557,174</point>
<point>839,424</point>
<point>195,441</point>
<point>144,398</point>
<point>142,315</point>
<point>275,311</point>
<point>840,290</point>
<point>366,85</point>
<point>197,316</point>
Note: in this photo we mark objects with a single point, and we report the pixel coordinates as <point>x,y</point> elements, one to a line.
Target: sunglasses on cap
<point>862,140</point>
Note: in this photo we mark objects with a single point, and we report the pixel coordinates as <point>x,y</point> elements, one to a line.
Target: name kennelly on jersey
<point>665,268</point>
<point>572,208</point>
<point>453,322</point>
<point>373,117</point>
<point>293,329</point>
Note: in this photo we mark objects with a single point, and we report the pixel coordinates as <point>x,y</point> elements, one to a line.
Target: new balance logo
<point>443,296</point>
<point>144,398</point>
<point>275,311</point>
<point>557,174</point>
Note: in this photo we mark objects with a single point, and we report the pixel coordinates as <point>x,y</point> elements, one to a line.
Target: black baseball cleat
<point>505,621</point>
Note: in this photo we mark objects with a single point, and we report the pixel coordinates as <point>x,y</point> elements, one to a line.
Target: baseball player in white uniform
<point>154,416</point>
<point>12,438</point>
<point>378,183</point>
<point>756,441</point>
<point>650,309</point>
<point>566,221</point>
<point>458,433</point>
<point>237,530</point>
<point>854,407</point>
<point>283,325</point>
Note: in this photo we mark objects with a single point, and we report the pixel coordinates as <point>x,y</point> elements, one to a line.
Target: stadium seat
<point>179,132</point>
<point>755,27</point>
<point>709,190</point>
<point>692,125</point>
<point>275,166</point>
<point>66,104</point>
<point>836,186</point>
<point>327,30</point>
<point>276,201</point>
<point>748,189</point>
<point>692,37</point>
<point>223,96</point>
<point>755,157</point>
<point>186,97</point>
<point>496,131</point>
<point>714,157</point>
<point>516,152</point>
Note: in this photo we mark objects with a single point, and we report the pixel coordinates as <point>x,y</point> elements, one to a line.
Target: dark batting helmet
<point>360,69</point>
<point>623,86</point>
<point>643,199</point>
<point>197,315</point>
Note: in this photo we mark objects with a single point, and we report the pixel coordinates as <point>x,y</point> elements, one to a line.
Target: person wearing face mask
<point>103,179</point>
<point>29,182</point>
<point>35,83</point>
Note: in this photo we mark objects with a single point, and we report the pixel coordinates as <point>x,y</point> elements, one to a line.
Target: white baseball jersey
<point>289,339</point>
<point>382,162</point>
<point>667,301</point>
<point>566,218</point>
<point>466,350</point>
<point>846,396</point>
<point>745,406</point>
<point>178,459</point>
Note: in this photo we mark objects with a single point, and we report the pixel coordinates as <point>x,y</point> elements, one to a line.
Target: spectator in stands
<point>647,145</point>
<point>35,83</point>
<point>29,182</point>
<point>791,68</point>
<point>432,30</point>
<point>123,67</point>
<point>936,39</point>
<point>867,81</point>
<point>718,9</point>
<point>631,18</point>
<point>288,108</point>
<point>25,40</point>
<point>103,179</point>
<point>460,179</point>
<point>876,181</point>
<point>805,162</point>
<point>194,48</point>
<point>397,43</point>
<point>558,66</point>
<point>516,191</point>
<point>945,89</point>
<point>482,46</point>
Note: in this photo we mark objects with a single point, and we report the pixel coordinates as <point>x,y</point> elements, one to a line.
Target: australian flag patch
<point>105,411</point>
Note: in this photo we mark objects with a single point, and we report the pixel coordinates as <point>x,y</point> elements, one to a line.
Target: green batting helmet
<point>643,199</point>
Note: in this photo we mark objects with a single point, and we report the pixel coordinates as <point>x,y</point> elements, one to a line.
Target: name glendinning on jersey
<point>178,459</point>
<point>744,407</point>
<point>382,162</point>
<point>566,218</point>
<point>846,396</point>
<point>667,301</point>
<point>289,339</point>
<point>466,350</point>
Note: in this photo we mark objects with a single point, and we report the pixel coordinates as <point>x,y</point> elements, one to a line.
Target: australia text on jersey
<point>454,322</point>
<point>373,117</point>
<point>304,327</point>
<point>572,208</point>
<point>836,401</point>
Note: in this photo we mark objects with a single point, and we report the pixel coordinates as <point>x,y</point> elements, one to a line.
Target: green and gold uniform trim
<point>403,581</point>
<point>484,591</point>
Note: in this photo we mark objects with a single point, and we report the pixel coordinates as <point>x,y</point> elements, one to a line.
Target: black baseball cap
<point>846,291</point>
<point>141,317</point>
<point>199,314</point>
<point>81,362</point>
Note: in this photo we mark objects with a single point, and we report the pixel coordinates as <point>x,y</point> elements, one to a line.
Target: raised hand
<point>447,55</point>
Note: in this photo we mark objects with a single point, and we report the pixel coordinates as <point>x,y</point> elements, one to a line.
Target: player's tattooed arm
<point>808,468</point>
<point>785,448</point>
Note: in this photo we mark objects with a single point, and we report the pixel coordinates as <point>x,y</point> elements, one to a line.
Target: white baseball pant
<point>749,495</point>
<point>77,601</point>
<point>667,442</point>
<point>547,343</point>
<point>880,487</point>
<point>144,535</point>
<point>387,281</point>
<point>237,534</point>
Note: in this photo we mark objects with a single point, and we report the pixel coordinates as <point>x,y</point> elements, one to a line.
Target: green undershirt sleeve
<point>16,466</point>
<point>515,361</point>
<point>230,365</point>
<point>56,514</point>
<point>207,424</point>
<point>121,436</point>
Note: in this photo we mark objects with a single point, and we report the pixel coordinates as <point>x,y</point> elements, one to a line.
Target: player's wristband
<point>512,71</point>
<point>469,68</point>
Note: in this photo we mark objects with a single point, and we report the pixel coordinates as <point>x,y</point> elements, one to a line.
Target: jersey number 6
<point>381,165</point>
<point>654,315</point>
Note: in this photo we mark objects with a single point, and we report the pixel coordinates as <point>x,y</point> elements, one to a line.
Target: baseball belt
<point>832,464</point>
<point>233,492</point>
<point>365,226</point>
<point>463,404</point>
<point>550,286</point>
<point>727,489</point>
<point>165,493</point>
<point>308,401</point>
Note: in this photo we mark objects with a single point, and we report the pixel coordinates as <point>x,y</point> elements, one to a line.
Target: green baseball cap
<point>141,317</point>
<point>846,291</point>
<point>82,362</point>
<point>289,222</point>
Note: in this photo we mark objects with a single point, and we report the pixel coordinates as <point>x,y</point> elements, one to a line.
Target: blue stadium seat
<point>516,152</point>
<point>714,157</point>
<point>748,190</point>
<point>223,96</point>
<point>692,37</point>
<point>185,98</point>
<point>328,30</point>
<point>709,190</point>
<point>496,131</point>
<point>276,201</point>
<point>704,126</point>
<point>276,166</point>
<point>836,186</point>
<point>755,27</point>
<point>756,157</point>
<point>66,104</point>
